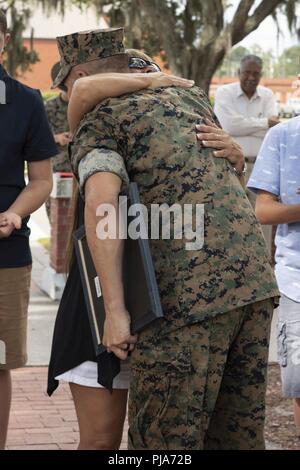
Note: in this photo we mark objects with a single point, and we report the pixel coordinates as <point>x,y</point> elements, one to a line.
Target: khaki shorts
<point>14,299</point>
<point>288,337</point>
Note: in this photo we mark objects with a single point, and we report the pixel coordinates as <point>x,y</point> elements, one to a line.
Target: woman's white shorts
<point>86,374</point>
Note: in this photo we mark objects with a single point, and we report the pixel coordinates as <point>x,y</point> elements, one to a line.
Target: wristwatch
<point>242,172</point>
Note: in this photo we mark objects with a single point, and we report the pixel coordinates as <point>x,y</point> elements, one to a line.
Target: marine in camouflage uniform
<point>57,112</point>
<point>199,374</point>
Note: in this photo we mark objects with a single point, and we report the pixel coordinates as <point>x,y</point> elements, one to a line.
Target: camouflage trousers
<point>202,386</point>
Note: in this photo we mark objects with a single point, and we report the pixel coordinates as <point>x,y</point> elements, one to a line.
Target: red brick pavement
<point>38,422</point>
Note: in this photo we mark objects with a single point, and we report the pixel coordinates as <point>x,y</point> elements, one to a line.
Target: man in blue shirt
<point>25,136</point>
<point>276,179</point>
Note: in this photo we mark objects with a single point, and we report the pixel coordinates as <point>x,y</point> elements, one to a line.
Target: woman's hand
<point>117,337</point>
<point>63,139</point>
<point>160,79</point>
<point>210,135</point>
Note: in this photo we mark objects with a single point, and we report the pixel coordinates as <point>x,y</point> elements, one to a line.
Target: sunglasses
<point>138,63</point>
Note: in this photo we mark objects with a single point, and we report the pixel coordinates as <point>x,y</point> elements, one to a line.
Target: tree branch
<point>241,15</point>
<point>189,24</point>
<point>212,19</point>
<point>264,9</point>
<point>164,22</point>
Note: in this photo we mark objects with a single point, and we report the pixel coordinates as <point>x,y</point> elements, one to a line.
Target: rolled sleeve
<point>266,172</point>
<point>99,161</point>
<point>98,146</point>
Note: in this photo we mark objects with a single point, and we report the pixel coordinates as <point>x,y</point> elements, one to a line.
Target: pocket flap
<point>170,359</point>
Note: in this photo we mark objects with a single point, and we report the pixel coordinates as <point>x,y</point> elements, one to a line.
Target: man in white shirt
<point>246,111</point>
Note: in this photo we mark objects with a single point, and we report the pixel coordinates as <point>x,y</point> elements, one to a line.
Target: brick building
<point>46,29</point>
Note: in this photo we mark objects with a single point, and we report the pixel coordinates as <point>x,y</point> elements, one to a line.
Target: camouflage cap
<point>85,46</point>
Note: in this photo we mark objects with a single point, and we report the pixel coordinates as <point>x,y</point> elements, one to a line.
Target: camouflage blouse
<point>149,137</point>
<point>56,110</point>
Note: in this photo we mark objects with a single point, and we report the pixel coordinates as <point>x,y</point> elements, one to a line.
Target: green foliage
<point>193,36</point>
<point>232,61</point>
<point>47,95</point>
<point>288,64</point>
<point>18,57</point>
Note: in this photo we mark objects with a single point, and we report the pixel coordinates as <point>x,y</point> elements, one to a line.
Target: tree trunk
<point>199,64</point>
<point>19,57</point>
<point>196,42</point>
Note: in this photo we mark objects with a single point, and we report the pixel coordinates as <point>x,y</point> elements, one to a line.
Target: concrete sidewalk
<point>41,317</point>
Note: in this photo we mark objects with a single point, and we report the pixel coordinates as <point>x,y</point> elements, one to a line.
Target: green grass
<point>45,242</point>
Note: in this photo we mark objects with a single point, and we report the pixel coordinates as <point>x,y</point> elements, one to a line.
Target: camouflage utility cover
<point>153,131</point>
<point>85,46</point>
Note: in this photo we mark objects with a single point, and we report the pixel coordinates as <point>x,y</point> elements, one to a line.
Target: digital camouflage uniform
<point>199,374</point>
<point>57,112</point>
<point>89,46</point>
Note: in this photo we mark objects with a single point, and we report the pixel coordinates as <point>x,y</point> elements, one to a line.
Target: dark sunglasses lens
<point>136,63</point>
<point>156,67</point>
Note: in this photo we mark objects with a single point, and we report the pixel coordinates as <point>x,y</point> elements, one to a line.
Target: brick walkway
<point>38,422</point>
